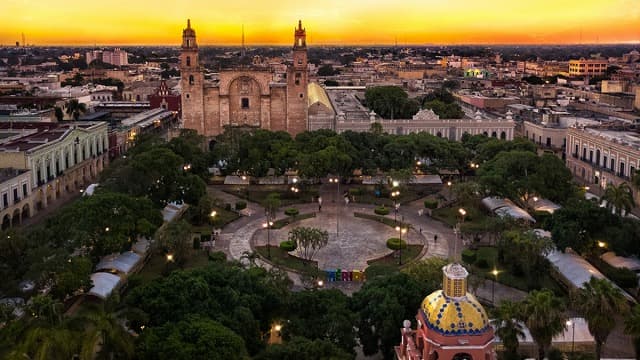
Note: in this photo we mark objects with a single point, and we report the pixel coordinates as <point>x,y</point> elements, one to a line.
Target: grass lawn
<point>282,258</point>
<point>407,194</point>
<point>278,224</point>
<point>408,255</point>
<point>385,220</point>
<point>451,215</point>
<point>489,255</point>
<point>258,193</point>
<point>157,264</point>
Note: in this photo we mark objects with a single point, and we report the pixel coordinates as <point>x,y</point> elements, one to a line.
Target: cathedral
<point>451,324</point>
<point>244,97</point>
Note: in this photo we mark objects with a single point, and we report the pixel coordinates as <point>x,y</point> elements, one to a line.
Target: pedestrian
<point>319,207</point>
<point>435,238</point>
<point>421,230</point>
<point>420,212</point>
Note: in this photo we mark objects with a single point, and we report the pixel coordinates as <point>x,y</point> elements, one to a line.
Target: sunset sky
<point>218,22</point>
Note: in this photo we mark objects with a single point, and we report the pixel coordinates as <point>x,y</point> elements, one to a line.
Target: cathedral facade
<point>247,97</point>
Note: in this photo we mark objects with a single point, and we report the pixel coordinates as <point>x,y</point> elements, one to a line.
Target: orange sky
<point>217,22</point>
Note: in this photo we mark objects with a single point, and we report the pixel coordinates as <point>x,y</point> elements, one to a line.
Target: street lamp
<point>602,244</point>
<point>335,181</point>
<point>401,230</point>
<point>573,335</point>
<point>169,257</point>
<point>462,212</point>
<point>396,206</point>
<point>267,225</point>
<point>494,272</point>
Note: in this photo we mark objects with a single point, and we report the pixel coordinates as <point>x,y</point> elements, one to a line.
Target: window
<point>298,76</point>
<point>301,96</point>
<point>613,164</point>
<point>244,103</point>
<point>16,197</point>
<point>190,79</point>
<point>187,96</point>
<point>24,190</point>
<point>188,59</point>
<point>5,200</point>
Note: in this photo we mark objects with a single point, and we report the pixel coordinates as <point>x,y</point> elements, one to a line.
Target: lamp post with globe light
<point>267,225</point>
<point>494,272</point>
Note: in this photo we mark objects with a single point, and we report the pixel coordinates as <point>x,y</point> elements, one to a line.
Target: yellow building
<point>584,67</point>
<point>61,159</point>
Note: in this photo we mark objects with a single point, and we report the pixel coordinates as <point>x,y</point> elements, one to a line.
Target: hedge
<point>288,245</point>
<point>394,243</point>
<point>468,256</point>
<point>241,205</point>
<point>381,210</point>
<point>355,191</point>
<point>431,203</point>
<point>291,212</point>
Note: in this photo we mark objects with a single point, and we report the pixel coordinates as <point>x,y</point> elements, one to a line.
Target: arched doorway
<point>462,356</point>
<point>16,217</point>
<point>26,212</point>
<point>6,222</point>
<point>503,135</point>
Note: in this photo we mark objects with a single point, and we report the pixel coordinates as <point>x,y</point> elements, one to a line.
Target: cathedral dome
<point>454,311</point>
<point>455,316</point>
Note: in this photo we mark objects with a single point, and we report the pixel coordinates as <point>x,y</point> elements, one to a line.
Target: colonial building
<point>600,156</point>
<point>15,195</point>
<point>451,324</point>
<point>243,97</point>
<point>59,158</point>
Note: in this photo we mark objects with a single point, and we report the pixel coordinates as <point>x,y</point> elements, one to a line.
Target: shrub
<point>291,212</point>
<point>468,256</point>
<point>288,245</point>
<point>355,191</point>
<point>381,210</point>
<point>227,206</point>
<point>381,270</point>
<point>395,243</point>
<point>431,203</point>
<point>241,205</point>
<point>196,243</point>
<point>624,277</point>
<point>482,263</point>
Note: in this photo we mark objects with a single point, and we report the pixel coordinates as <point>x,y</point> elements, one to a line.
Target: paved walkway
<point>352,241</point>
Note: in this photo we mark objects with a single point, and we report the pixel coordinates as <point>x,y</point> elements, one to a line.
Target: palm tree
<point>599,301</point>
<point>507,326</point>
<point>545,318</point>
<point>104,334</point>
<point>44,342</point>
<point>75,108</point>
<point>619,197</point>
<point>632,327</point>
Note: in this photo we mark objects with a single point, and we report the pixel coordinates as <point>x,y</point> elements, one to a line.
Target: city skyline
<point>415,22</point>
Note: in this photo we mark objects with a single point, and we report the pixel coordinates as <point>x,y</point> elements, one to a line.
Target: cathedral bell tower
<point>191,82</point>
<point>297,80</point>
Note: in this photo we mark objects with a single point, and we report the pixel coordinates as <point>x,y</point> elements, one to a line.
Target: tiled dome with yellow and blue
<point>454,311</point>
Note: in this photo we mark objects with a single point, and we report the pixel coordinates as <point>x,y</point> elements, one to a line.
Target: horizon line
<point>631,43</point>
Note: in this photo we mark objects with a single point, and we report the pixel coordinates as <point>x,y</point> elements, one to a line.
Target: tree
<point>390,102</point>
<point>46,343</point>
<point>321,315</point>
<point>545,318</point>
<point>303,348</point>
<point>104,331</point>
<point>525,253</point>
<point>382,305</point>
<point>59,114</point>
<point>427,272</point>
<point>632,327</point>
<point>192,338</point>
<point>635,180</point>
<point>174,240</point>
<point>598,301</point>
<point>619,198</point>
<point>327,70</point>
<point>75,108</point>
<point>507,325</point>
<point>271,204</point>
<point>72,277</point>
<point>309,241</point>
